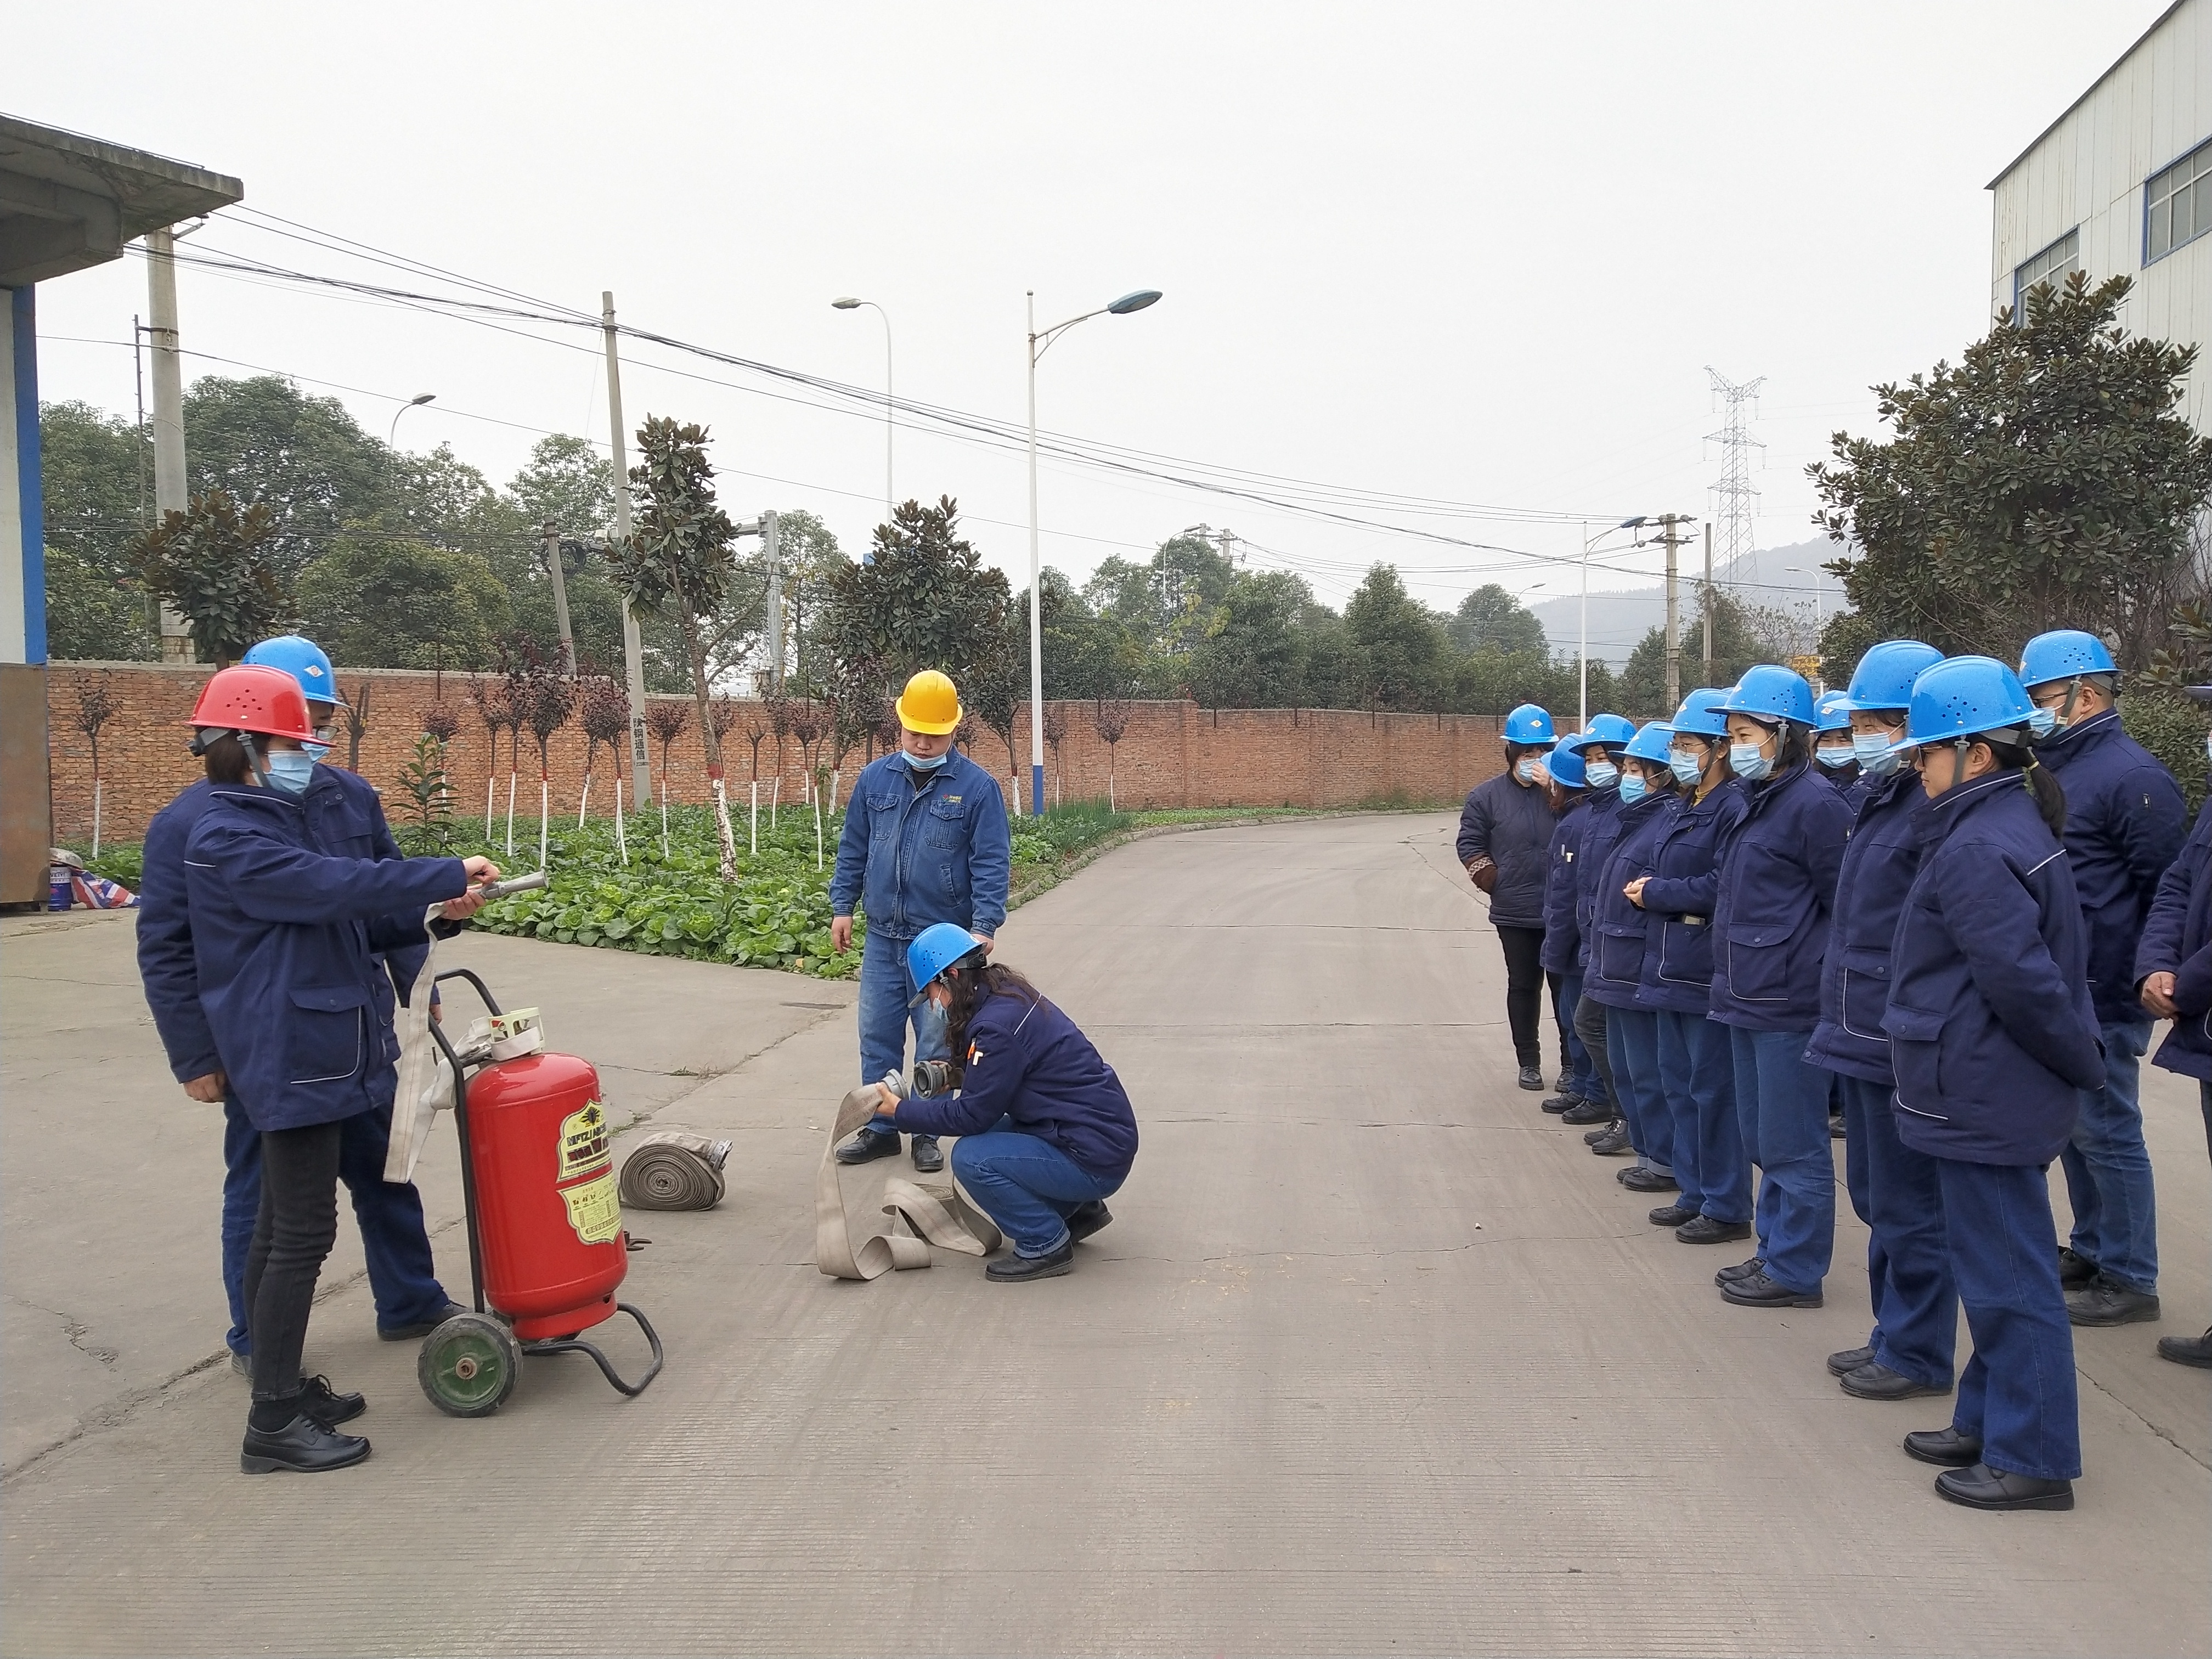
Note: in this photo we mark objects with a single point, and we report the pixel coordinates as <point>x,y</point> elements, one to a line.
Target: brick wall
<point>1174,754</point>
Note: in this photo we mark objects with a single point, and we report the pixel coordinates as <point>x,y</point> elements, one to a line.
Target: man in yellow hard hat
<point>925,841</point>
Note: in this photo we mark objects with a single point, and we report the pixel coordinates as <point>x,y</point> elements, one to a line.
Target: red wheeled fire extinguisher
<point>546,1246</point>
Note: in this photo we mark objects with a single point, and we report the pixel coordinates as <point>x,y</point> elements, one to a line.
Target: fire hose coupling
<point>495,1038</point>
<point>931,1077</point>
<point>529,883</point>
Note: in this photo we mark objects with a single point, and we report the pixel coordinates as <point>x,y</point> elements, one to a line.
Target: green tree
<point>306,460</point>
<point>91,464</point>
<point>211,561</point>
<point>1394,644</point>
<point>1254,653</point>
<point>925,600</point>
<point>2044,481</point>
<point>393,602</point>
<point>1491,618</point>
<point>807,551</point>
<point>568,483</point>
<point>1742,635</point>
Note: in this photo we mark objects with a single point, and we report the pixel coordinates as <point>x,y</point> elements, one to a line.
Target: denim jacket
<point>920,847</point>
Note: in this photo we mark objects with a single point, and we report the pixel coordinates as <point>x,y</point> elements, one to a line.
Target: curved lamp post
<point>415,401</point>
<point>850,303</point>
<point>1040,342</point>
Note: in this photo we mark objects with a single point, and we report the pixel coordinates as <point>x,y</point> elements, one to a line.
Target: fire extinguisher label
<point>594,1210</point>
<point>584,1141</point>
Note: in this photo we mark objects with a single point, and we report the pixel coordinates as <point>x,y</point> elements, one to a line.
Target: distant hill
<point>1618,617</point>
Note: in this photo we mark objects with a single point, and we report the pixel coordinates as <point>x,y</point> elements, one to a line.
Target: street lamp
<point>415,401</point>
<point>849,303</point>
<point>1040,342</point>
<point>1582,718</point>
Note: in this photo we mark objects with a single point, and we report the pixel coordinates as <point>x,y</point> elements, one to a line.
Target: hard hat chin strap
<point>253,759</point>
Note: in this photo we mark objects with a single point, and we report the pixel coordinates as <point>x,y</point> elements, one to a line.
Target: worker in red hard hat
<point>283,940</point>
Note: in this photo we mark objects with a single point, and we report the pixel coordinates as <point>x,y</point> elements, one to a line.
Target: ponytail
<point>2037,779</point>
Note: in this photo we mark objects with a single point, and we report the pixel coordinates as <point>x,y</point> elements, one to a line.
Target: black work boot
<point>1587,1111</point>
<point>302,1446</point>
<point>1088,1218</point>
<point>2106,1301</point>
<point>868,1146</point>
<point>2187,1350</point>
<point>1015,1266</point>
<point>326,1405</point>
<point>927,1157</point>
<point>1532,1079</point>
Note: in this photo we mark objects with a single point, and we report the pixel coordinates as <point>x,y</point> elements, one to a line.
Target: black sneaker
<point>868,1146</point>
<point>2107,1302</point>
<point>303,1446</point>
<point>1706,1231</point>
<point>1014,1268</point>
<point>928,1157</point>
<point>2075,1269</point>
<point>1088,1218</point>
<point>326,1405</point>
<point>1532,1079</point>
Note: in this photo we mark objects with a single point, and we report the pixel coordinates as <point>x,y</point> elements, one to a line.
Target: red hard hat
<point>267,700</point>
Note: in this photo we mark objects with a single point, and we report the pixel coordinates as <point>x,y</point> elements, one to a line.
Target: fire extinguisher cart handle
<point>577,1345</point>
<point>461,1123</point>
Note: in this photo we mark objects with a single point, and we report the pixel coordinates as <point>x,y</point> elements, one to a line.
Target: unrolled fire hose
<point>921,1214</point>
<point>674,1170</point>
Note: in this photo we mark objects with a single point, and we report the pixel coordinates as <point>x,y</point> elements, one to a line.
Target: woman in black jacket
<point>1505,843</point>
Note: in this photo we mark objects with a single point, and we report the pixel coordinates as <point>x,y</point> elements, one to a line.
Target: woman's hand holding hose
<point>482,872</point>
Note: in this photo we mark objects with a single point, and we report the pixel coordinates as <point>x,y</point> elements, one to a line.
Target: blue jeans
<point>2017,1394</point>
<point>402,1276</point>
<point>1632,1035</point>
<point>884,1017</point>
<point>2108,1167</point>
<point>1898,1192</point>
<point>1782,1113</point>
<point>1698,1073</point>
<point>1582,1070</point>
<point>1025,1184</point>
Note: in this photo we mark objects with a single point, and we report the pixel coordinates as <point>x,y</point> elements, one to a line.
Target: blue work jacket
<point>1509,822</point>
<point>1601,830</point>
<point>2177,939</point>
<point>2125,820</point>
<point>1561,952</point>
<point>1777,864</point>
<point>1679,899</point>
<point>1026,1060</point>
<point>346,818</point>
<point>922,847</point>
<point>1992,1033</point>
<point>1618,932</point>
<point>1879,862</point>
<point>284,943</point>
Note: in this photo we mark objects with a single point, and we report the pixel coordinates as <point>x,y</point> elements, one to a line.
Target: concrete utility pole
<point>640,752</point>
<point>1706,603</point>
<point>171,491</point>
<point>551,532</point>
<point>773,621</point>
<point>1673,540</point>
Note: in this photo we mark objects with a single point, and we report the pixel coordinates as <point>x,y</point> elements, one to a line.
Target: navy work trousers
<point>1898,1192</point>
<point>1582,1071</point>
<point>2107,1166</point>
<point>1025,1184</point>
<point>1782,1111</point>
<point>1632,1035</point>
<point>1697,1070</point>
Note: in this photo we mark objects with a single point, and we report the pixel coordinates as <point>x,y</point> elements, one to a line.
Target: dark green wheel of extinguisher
<point>469,1365</point>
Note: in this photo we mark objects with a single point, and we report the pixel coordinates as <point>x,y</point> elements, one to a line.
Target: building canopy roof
<point>67,202</point>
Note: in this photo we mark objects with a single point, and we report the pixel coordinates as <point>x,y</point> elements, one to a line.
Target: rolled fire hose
<point>921,1214</point>
<point>674,1170</point>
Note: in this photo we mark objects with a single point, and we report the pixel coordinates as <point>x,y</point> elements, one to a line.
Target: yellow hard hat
<point>929,704</point>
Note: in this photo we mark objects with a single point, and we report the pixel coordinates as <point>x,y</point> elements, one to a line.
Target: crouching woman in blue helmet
<point>1047,1134</point>
<point>1993,1035</point>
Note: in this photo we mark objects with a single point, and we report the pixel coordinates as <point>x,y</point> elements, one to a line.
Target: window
<point>2053,265</point>
<point>2177,204</point>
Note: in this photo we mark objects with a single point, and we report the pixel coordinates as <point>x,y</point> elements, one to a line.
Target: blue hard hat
<point>1653,742</point>
<point>1832,713</point>
<point>1769,691</point>
<point>1700,716</point>
<point>1565,762</point>
<point>941,946</point>
<point>303,660</point>
<point>2062,654</point>
<point>1610,729</point>
<point>1529,724</point>
<point>1959,697</point>
<point>1884,677</point>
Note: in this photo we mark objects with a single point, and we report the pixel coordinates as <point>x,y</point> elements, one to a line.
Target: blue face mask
<point>2042,722</point>
<point>1632,788</point>
<point>290,770</point>
<point>1750,765</point>
<point>1874,759</point>
<point>315,751</point>
<point>1837,758</point>
<point>1602,774</point>
<point>926,764</point>
<point>1688,769</point>
<point>1525,768</point>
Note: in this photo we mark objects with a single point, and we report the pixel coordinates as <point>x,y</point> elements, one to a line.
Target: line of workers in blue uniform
<point>1949,901</point>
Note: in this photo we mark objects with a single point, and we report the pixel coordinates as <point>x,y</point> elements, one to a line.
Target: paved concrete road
<point>1375,1357</point>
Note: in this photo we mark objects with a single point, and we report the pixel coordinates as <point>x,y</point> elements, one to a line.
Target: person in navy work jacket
<point>1777,881</point>
<point>1562,950</point>
<point>1047,1134</point>
<point>1504,845</point>
<point>1620,940</point>
<point>925,841</point>
<point>1993,1037</point>
<point>347,820</point>
<point>1696,1069</point>
<point>1832,748</point>
<point>2173,965</point>
<point>1894,1188</point>
<point>1602,746</point>
<point>284,943</point>
<point>2126,820</point>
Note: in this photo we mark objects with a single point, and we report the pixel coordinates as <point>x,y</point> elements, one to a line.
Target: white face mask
<point>1872,749</point>
<point>1837,758</point>
<point>1748,762</point>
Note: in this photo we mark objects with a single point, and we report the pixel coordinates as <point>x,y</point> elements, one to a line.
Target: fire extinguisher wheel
<point>469,1365</point>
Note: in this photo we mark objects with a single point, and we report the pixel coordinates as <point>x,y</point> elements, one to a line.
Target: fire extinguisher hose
<point>674,1170</point>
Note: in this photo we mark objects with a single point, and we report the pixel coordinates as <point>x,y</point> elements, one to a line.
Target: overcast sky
<point>1480,254</point>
